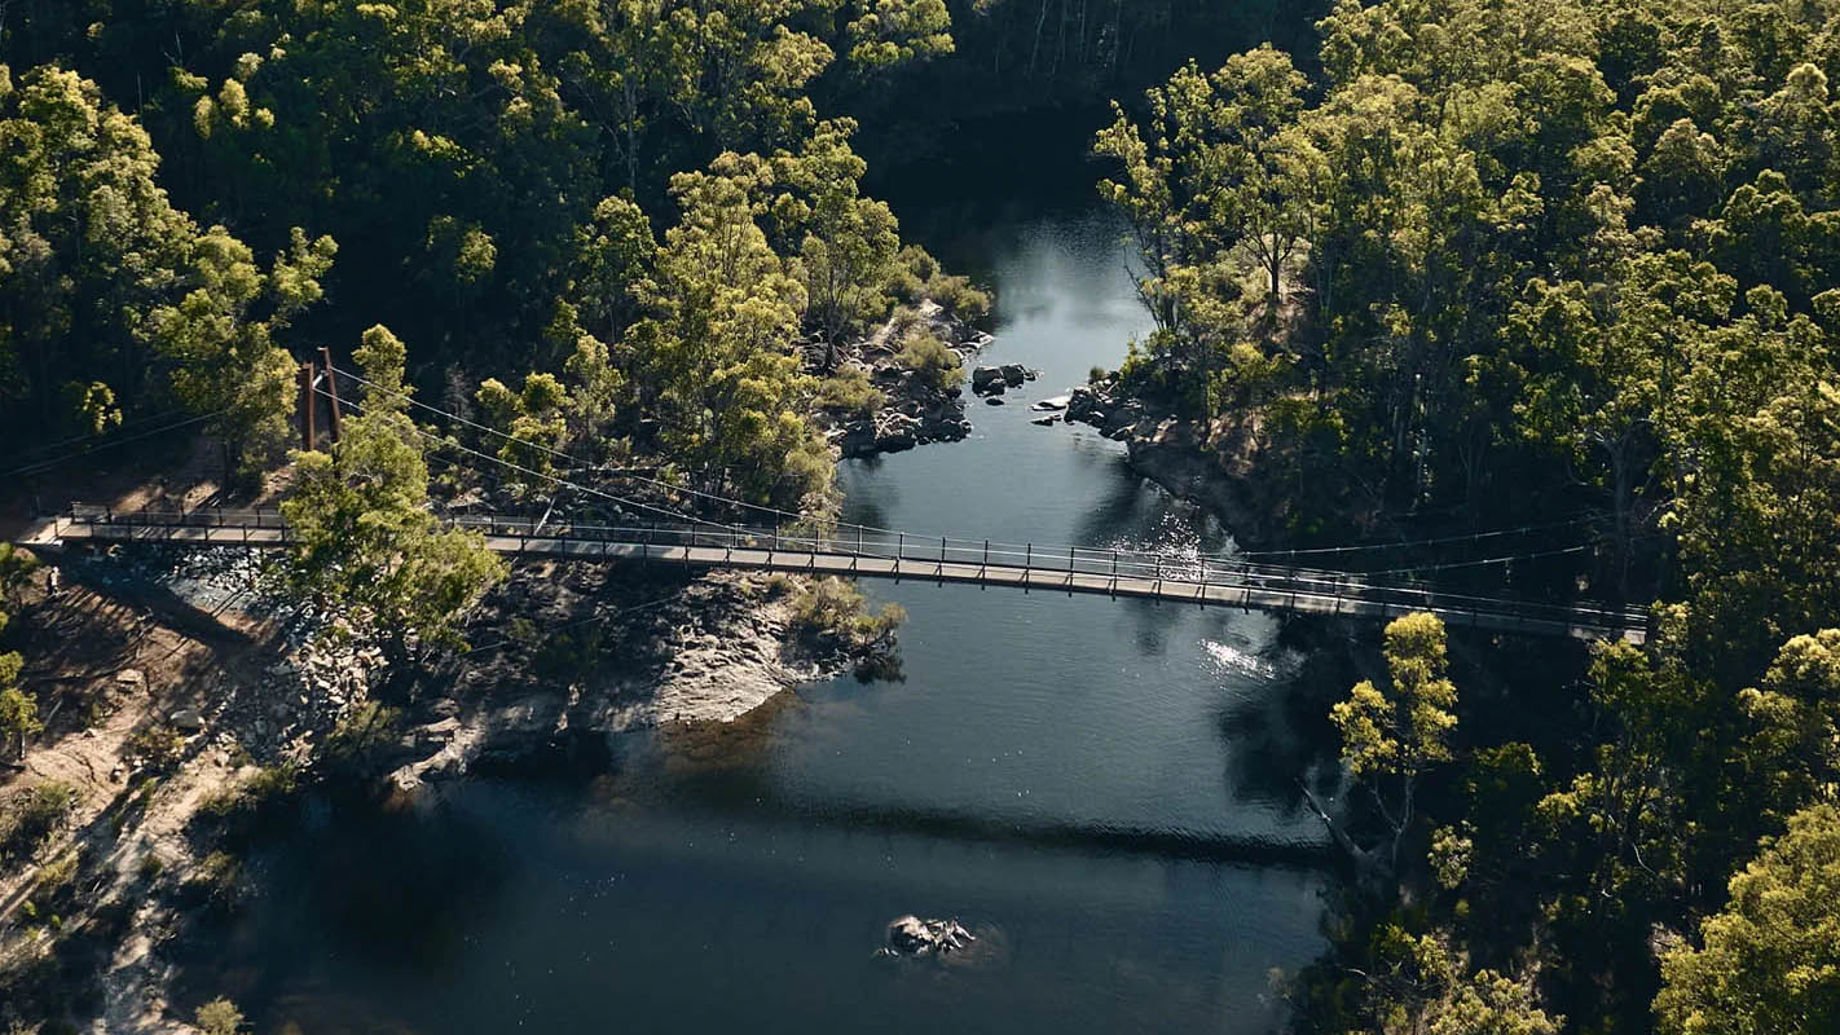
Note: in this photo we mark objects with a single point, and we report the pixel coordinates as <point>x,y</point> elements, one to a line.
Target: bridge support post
<point>332,390</point>
<point>1114,586</point>
<point>307,407</point>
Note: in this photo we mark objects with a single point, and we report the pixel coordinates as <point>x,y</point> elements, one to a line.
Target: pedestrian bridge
<point>857,552</point>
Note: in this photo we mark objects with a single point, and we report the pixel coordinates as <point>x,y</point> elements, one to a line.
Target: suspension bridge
<point>859,552</point>
<point>780,541</point>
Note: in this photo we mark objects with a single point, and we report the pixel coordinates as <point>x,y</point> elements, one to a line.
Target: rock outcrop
<point>912,936</point>
<point>997,380</point>
<point>914,411</point>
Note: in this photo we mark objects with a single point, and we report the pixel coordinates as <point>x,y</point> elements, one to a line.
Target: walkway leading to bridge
<point>862,553</point>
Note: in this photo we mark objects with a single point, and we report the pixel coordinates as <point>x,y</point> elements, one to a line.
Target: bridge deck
<point>1069,572</point>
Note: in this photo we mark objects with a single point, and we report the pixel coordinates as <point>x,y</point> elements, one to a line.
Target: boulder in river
<point>1049,421</point>
<point>993,401</point>
<point>912,936</point>
<point>1058,402</point>
<point>985,380</point>
<point>1015,373</point>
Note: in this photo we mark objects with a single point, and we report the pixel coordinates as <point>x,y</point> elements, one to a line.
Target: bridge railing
<point>1174,574</point>
<point>914,553</point>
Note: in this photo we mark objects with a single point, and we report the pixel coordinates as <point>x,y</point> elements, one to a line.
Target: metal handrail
<point>1188,572</point>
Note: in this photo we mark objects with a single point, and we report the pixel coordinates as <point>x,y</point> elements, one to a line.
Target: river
<point>1104,790</point>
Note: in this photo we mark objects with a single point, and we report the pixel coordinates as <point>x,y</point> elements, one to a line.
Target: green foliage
<point>30,818</point>
<point>716,360</point>
<point>219,1017</point>
<point>833,608</point>
<point>159,747</point>
<point>253,794</point>
<point>19,719</point>
<point>16,567</point>
<point>917,276</point>
<point>363,539</point>
<point>532,423</point>
<point>1408,984</point>
<point>228,363</point>
<point>1397,734</point>
<point>848,391</point>
<point>364,731</point>
<point>935,365</point>
<point>845,243</point>
<point>1770,960</point>
<point>106,283</point>
<point>1502,261</point>
<point>216,881</point>
<point>469,147</point>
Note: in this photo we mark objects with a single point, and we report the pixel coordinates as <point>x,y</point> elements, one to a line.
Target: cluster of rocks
<point>913,412</point>
<point>307,691</point>
<point>1098,404</point>
<point>915,415</point>
<point>992,382</point>
<point>912,936</point>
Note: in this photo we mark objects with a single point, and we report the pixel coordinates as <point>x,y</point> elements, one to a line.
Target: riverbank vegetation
<point>1545,261</point>
<point>644,198</point>
<point>557,241</point>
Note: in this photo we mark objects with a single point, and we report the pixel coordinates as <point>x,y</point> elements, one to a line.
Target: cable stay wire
<point>38,466</point>
<point>621,472</point>
<point>1430,594</point>
<point>557,479</point>
<point>777,513</point>
<point>1403,544</point>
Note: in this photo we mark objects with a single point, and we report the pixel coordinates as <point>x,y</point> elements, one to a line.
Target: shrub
<point>253,794</point>
<point>917,276</point>
<point>960,298</point>
<point>33,816</point>
<point>216,880</point>
<point>159,747</point>
<point>56,880</point>
<point>362,730</point>
<point>831,606</point>
<point>569,656</point>
<point>935,365</point>
<point>849,392</point>
<point>219,1017</point>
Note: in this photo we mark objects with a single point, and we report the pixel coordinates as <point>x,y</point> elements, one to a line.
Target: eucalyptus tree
<point>363,540</point>
<point>1392,737</point>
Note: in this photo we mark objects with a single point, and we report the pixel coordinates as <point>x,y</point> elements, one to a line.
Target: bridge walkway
<point>857,553</point>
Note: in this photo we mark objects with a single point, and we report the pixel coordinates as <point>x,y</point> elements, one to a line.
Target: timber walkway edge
<point>856,552</point>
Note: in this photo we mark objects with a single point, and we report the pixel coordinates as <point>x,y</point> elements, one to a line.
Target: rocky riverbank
<point>912,407</point>
<point>1212,465</point>
<point>186,697</point>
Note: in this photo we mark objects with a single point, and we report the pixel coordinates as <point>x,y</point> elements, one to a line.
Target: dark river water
<point>1104,790</point>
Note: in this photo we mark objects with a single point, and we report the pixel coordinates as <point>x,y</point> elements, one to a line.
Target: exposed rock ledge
<point>708,649</point>
<point>913,412</point>
<point>1211,466</point>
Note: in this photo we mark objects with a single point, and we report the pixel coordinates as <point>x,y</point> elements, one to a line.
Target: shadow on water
<point>1284,739</point>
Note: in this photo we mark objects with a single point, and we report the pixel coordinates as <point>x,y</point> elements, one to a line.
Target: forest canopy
<point>193,190</point>
<point>1488,263</point>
